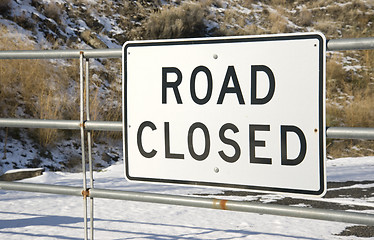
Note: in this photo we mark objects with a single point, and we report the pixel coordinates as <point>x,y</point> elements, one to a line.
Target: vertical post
<point>81,95</point>
<point>89,145</point>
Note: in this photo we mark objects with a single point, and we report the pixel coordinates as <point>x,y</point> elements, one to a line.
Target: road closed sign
<point>236,112</point>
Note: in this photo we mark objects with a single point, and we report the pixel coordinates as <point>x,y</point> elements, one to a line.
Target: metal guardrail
<point>87,125</point>
<point>56,54</point>
<point>211,203</point>
<point>331,132</point>
<point>332,45</point>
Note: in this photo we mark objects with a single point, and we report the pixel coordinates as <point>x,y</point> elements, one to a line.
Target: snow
<point>24,170</point>
<point>350,169</point>
<point>26,215</point>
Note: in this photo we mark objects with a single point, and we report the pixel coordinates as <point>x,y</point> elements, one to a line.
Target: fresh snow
<point>26,215</point>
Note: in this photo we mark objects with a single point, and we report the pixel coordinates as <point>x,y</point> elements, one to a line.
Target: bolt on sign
<point>237,112</point>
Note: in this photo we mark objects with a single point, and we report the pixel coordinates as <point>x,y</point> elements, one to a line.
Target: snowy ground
<point>26,215</point>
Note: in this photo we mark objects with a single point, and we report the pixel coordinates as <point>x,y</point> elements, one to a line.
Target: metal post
<point>89,145</point>
<point>82,142</point>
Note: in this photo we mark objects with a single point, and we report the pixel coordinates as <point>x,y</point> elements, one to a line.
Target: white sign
<point>239,112</point>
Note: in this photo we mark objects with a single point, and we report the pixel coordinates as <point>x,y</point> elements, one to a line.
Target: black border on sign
<point>322,48</point>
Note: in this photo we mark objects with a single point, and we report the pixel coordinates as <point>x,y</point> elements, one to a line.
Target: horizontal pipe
<point>60,124</point>
<point>238,206</point>
<point>41,188</point>
<point>188,201</point>
<point>55,54</point>
<point>103,125</point>
<point>350,133</point>
<point>350,44</point>
<point>332,45</point>
<point>331,132</point>
<point>39,123</point>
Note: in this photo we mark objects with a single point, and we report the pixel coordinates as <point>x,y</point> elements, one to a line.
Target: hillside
<point>48,89</point>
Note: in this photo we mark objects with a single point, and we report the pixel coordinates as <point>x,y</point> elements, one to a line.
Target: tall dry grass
<point>35,88</point>
<point>185,20</point>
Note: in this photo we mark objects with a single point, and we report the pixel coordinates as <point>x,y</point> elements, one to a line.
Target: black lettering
<point>230,74</point>
<point>269,95</point>
<point>302,153</point>
<point>253,143</point>
<point>230,142</point>
<point>193,85</point>
<point>173,85</point>
<point>139,139</point>
<point>205,154</point>
<point>168,154</point>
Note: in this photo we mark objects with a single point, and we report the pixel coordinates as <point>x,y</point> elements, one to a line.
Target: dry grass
<point>354,111</point>
<point>53,10</point>
<point>278,24</point>
<point>305,18</point>
<point>108,112</point>
<point>34,87</point>
<point>185,20</point>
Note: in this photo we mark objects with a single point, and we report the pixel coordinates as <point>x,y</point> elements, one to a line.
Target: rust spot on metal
<point>83,124</point>
<point>86,193</point>
<point>219,204</point>
<point>222,203</point>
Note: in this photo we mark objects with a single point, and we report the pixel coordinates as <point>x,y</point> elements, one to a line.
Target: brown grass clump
<point>185,20</point>
<point>306,18</point>
<point>278,22</point>
<point>53,10</point>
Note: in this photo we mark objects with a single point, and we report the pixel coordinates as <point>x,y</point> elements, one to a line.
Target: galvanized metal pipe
<point>350,133</point>
<point>61,54</point>
<point>350,44</point>
<point>39,123</point>
<point>332,45</point>
<point>61,124</point>
<point>103,125</point>
<point>239,206</point>
<point>331,132</point>
<point>41,188</point>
